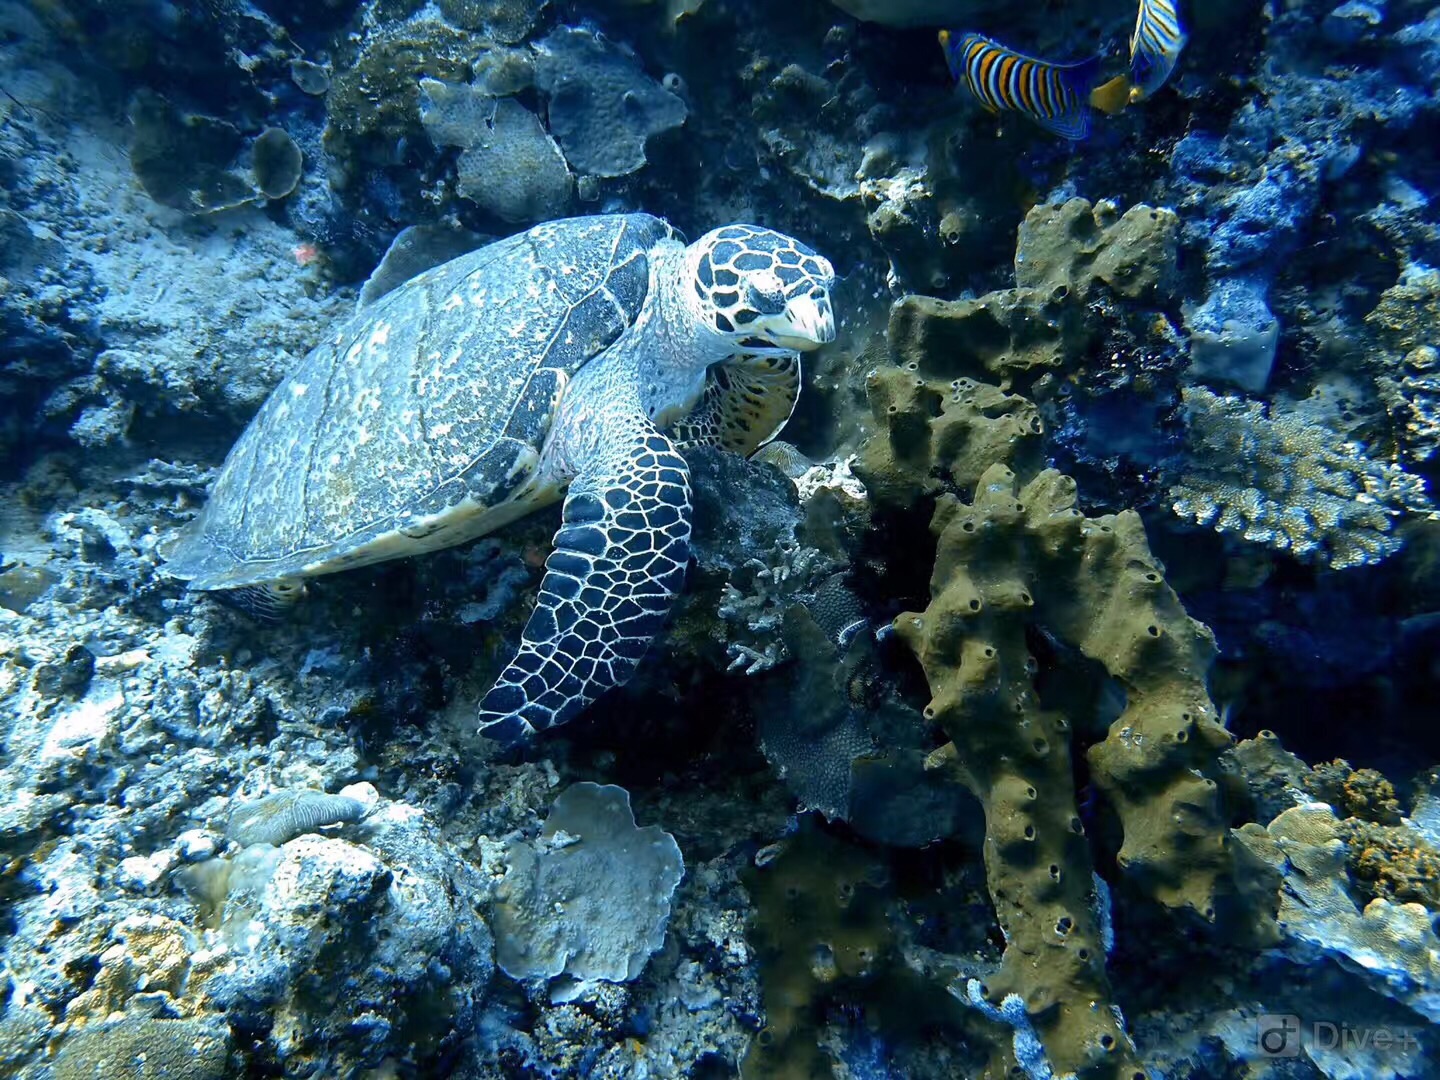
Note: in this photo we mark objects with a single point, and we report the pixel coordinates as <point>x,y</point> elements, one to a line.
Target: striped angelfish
<point>1155,46</point>
<point>1055,96</point>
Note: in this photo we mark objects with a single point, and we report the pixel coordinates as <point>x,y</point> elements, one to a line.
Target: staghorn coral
<point>1283,477</point>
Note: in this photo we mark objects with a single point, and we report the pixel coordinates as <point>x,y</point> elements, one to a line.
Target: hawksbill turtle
<point>573,359</point>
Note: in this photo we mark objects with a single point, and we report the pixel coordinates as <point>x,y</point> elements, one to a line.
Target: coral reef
<point>1391,945</point>
<point>509,165</point>
<point>1217,315</point>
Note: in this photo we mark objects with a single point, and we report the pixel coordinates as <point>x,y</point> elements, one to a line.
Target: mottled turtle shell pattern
<point>420,415</point>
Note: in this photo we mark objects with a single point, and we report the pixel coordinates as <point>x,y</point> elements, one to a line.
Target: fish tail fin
<point>1113,97</point>
<point>1080,78</point>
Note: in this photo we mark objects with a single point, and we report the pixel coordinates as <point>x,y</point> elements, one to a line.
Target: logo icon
<point>1277,1035</point>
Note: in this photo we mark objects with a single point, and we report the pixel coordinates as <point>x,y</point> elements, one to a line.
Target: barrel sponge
<point>591,897</point>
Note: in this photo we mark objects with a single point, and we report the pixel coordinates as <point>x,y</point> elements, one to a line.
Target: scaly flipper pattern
<point>619,561</point>
<point>746,402</point>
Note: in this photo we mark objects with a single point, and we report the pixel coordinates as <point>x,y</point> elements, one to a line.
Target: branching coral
<point>1284,478</point>
<point>791,576</point>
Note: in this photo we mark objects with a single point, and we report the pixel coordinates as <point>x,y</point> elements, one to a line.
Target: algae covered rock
<point>373,105</point>
<point>343,953</point>
<point>505,21</point>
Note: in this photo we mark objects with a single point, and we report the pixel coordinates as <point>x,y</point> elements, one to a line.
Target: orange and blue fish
<point>1154,46</point>
<point>1055,96</point>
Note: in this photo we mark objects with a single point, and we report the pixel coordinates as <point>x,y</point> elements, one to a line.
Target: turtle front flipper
<point>619,561</point>
<point>746,401</point>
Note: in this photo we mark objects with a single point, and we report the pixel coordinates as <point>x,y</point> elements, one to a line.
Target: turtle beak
<point>810,323</point>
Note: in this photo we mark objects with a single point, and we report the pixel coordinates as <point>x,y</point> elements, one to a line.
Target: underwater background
<point>1057,696</point>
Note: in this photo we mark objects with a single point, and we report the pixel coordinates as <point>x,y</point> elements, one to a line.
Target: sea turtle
<point>575,355</point>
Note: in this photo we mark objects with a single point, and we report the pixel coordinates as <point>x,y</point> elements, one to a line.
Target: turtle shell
<point>419,422</point>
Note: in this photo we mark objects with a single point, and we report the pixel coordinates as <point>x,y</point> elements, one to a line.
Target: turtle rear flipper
<point>619,561</point>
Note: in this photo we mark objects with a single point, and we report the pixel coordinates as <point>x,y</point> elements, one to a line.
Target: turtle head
<point>762,291</point>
